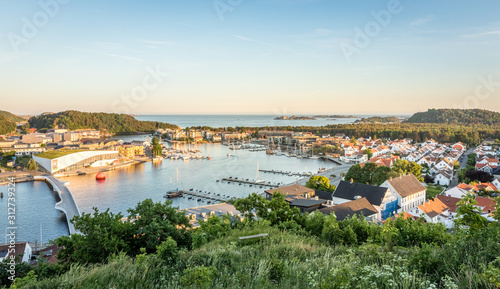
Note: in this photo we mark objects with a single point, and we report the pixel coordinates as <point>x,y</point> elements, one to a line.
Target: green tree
<point>153,223</point>
<point>467,214</point>
<point>157,150</point>
<point>168,251</point>
<point>382,174</point>
<point>32,165</point>
<point>368,152</point>
<point>320,183</point>
<point>406,167</point>
<point>102,234</point>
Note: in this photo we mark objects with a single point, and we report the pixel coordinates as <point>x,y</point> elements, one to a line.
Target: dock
<point>249,182</point>
<point>66,202</point>
<point>210,196</point>
<point>286,173</point>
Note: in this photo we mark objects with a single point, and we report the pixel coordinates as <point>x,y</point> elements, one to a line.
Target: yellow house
<point>130,151</point>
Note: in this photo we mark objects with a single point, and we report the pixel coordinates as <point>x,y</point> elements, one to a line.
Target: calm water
<point>239,120</point>
<point>35,203</point>
<point>125,187</point>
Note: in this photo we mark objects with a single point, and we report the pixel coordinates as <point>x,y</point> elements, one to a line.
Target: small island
<point>336,116</point>
<point>293,117</point>
<point>379,119</point>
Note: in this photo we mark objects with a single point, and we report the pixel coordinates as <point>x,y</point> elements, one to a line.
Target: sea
<point>38,220</point>
<point>242,120</point>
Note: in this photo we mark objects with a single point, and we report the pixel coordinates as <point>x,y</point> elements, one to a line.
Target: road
<point>336,170</point>
<point>463,163</point>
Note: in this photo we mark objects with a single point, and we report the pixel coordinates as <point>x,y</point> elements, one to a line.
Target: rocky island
<point>293,117</point>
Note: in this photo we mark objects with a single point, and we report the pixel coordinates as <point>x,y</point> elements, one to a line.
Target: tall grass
<point>284,260</point>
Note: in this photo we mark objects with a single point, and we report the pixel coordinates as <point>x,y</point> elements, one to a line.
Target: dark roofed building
<point>307,205</point>
<point>349,191</point>
<point>381,198</point>
<point>357,207</point>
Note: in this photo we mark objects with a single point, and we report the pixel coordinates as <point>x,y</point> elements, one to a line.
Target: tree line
<point>111,122</point>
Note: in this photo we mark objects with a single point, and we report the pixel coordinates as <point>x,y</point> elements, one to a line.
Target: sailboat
<point>257,179</point>
<point>269,151</point>
<point>174,193</point>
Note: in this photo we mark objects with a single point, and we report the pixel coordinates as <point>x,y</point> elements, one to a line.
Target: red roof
<point>450,202</point>
<point>487,203</point>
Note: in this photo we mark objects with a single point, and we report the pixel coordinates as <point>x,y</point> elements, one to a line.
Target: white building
<point>409,190</point>
<point>56,161</point>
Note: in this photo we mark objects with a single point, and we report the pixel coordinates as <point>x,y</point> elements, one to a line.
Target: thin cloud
<point>488,33</point>
<point>244,38</point>
<point>422,21</point>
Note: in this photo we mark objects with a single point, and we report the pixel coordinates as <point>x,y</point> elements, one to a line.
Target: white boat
<point>257,179</point>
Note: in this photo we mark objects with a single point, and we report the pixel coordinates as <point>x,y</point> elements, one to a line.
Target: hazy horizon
<point>273,57</point>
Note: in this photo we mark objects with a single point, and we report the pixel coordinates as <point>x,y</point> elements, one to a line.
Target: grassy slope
<point>284,260</point>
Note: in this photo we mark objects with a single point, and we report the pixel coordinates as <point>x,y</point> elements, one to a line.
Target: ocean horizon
<point>249,120</point>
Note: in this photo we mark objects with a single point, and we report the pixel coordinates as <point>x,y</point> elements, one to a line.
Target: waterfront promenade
<point>66,201</point>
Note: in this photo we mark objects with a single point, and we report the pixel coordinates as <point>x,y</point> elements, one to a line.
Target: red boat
<point>100,176</point>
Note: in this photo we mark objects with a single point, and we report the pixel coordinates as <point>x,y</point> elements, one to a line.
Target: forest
<point>457,116</point>
<point>111,122</point>
<point>6,125</point>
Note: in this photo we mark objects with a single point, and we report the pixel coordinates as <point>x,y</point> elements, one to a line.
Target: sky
<point>276,57</point>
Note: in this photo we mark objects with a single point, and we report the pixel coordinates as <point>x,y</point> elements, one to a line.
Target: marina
<point>256,183</point>
<point>125,186</point>
<point>287,173</point>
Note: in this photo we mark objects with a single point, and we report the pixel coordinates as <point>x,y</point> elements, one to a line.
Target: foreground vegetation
<point>302,251</point>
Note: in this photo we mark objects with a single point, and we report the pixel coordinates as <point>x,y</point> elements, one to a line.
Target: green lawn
<point>57,154</point>
<point>433,191</point>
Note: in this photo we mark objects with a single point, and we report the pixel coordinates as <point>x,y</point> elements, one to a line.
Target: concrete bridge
<point>67,203</point>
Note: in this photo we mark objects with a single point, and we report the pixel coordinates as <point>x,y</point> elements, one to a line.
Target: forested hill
<point>10,116</point>
<point>6,125</point>
<point>457,116</point>
<point>112,122</point>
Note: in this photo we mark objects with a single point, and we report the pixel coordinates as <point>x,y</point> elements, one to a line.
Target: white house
<point>409,190</point>
<point>434,211</point>
<point>443,178</point>
<point>455,192</point>
<point>19,252</point>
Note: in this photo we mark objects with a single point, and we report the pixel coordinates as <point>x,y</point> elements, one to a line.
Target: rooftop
<point>349,191</point>
<point>406,185</point>
<point>57,153</point>
<point>295,189</point>
<point>349,209</point>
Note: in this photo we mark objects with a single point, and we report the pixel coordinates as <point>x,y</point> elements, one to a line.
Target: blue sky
<point>265,57</point>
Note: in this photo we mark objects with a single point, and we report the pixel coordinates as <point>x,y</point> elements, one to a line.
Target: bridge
<point>66,202</point>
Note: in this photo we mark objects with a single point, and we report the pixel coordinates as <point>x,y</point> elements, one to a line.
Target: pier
<point>249,182</point>
<point>66,202</point>
<point>209,196</point>
<point>286,173</point>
